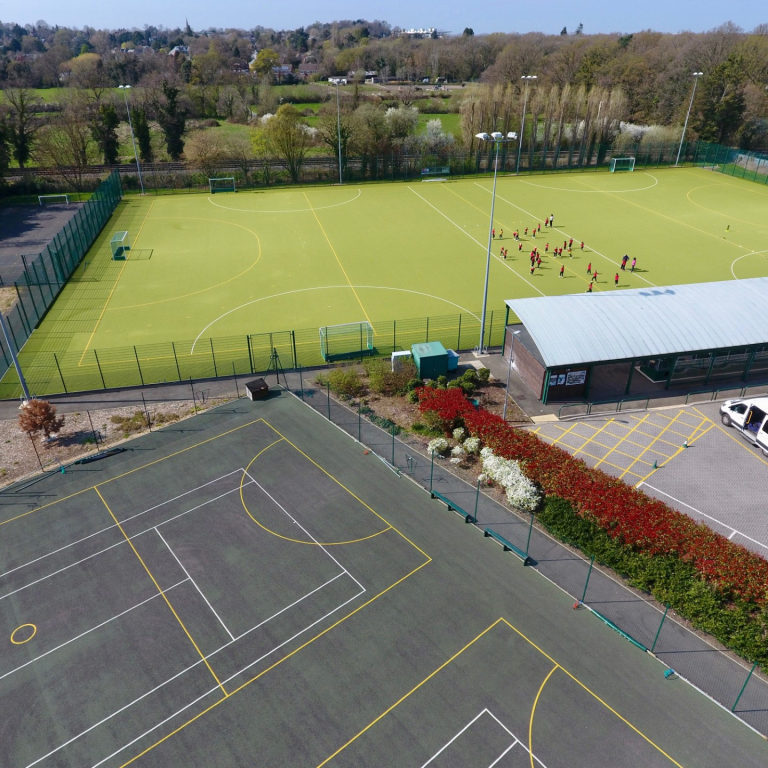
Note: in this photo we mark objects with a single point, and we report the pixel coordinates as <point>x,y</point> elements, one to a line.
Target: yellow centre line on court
<point>165,597</point>
<point>338,260</point>
<point>117,280</point>
<point>621,440</point>
<point>533,712</point>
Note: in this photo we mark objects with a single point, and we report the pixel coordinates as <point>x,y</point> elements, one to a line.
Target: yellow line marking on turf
<point>131,471</point>
<point>593,694</point>
<point>403,698</point>
<point>202,290</point>
<point>21,642</point>
<point>738,440</point>
<point>621,440</point>
<point>533,711</point>
<point>165,597</point>
<point>338,260</point>
<point>287,538</point>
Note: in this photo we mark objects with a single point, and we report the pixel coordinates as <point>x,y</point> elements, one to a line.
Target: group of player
<point>557,251</point>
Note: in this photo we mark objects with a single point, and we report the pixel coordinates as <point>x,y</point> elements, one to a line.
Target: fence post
<point>458,338</point>
<point>95,434</point>
<point>138,365</point>
<point>427,339</point>
<point>477,497</point>
<point>393,445</point>
<point>234,374</point>
<point>98,364</point>
<point>359,420</point>
<point>58,368</point>
<point>530,531</point>
<point>431,471</point>
<point>328,393</point>
<point>250,354</point>
<point>743,687</point>
<point>176,359</point>
<point>301,382</point>
<point>394,335</point>
<point>490,331</point>
<point>194,400</point>
<point>586,583</point>
<point>658,631</point>
<point>293,345</point>
<point>213,357</point>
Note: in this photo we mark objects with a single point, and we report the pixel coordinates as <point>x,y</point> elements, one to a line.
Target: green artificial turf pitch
<point>261,261</point>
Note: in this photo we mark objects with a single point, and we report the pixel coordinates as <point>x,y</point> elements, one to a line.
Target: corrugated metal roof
<point>644,322</point>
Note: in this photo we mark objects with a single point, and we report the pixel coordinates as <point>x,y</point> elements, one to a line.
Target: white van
<point>750,417</point>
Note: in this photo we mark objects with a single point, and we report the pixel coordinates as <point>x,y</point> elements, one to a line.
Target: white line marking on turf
<point>565,234</point>
<point>123,541</point>
<point>194,583</point>
<point>703,514</point>
<point>294,210</point>
<point>85,538</point>
<point>595,191</point>
<point>323,288</point>
<point>484,247</point>
<point>501,756</point>
<point>88,631</point>
<point>739,258</point>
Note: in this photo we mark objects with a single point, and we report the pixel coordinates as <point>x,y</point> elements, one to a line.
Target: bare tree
<point>22,123</point>
<point>40,416</point>
<point>289,138</point>
<point>205,150</point>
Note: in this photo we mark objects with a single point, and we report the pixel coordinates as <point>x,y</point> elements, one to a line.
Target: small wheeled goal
<point>53,199</point>
<point>346,341</point>
<point>120,245</point>
<point>439,173</point>
<point>222,184</point>
<point>622,164</point>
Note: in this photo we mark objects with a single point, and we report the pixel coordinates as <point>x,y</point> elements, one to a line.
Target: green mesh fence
<point>50,372</point>
<point>45,274</point>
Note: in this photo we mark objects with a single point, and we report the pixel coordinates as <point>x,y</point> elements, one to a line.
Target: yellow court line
<point>287,538</point>
<point>637,426</point>
<point>165,597</point>
<point>565,432</point>
<point>658,437</point>
<point>674,455</point>
<point>338,260</point>
<point>533,712</point>
<point>131,471</point>
<point>403,698</point>
<point>120,274</point>
<point>590,439</point>
<point>608,463</point>
<point>661,440</point>
<point>276,664</point>
<point>593,694</point>
<point>738,440</point>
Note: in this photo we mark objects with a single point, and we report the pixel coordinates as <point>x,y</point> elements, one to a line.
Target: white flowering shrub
<point>458,453</point>
<point>482,478</point>
<point>455,460</point>
<point>459,434</point>
<point>520,491</point>
<point>472,445</point>
<point>439,445</point>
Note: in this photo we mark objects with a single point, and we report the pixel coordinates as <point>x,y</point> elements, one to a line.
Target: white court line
<point>304,529</point>
<point>448,743</point>
<point>503,754</point>
<point>596,191</point>
<point>565,234</point>
<point>92,629</point>
<point>709,517</point>
<point>119,543</point>
<point>744,256</point>
<point>230,678</point>
<point>194,583</point>
<point>293,210</point>
<point>484,247</point>
<point>171,679</point>
<point>91,535</point>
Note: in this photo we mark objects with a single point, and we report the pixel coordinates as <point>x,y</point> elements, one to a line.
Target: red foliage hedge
<point>624,512</point>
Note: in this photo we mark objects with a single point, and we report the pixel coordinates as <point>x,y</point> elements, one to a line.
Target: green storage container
<point>431,359</point>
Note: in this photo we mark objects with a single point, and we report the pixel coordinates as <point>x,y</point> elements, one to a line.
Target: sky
<point>548,16</point>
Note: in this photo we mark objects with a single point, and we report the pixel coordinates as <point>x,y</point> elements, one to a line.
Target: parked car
<point>750,417</point>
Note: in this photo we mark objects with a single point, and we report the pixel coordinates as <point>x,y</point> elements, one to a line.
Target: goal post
<point>222,184</point>
<point>346,341</point>
<point>120,244</point>
<point>622,164</point>
<point>53,199</point>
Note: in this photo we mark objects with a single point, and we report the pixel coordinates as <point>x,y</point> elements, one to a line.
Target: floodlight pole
<point>696,76</point>
<point>338,125</point>
<point>527,79</point>
<point>498,139</point>
<point>124,89</point>
<point>17,365</point>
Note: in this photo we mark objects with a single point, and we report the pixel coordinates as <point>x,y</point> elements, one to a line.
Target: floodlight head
<point>497,135</point>
<point>511,135</point>
<point>482,136</point>
<point>124,86</point>
<point>698,74</point>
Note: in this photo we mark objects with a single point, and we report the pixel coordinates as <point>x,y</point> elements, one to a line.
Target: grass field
<point>253,262</point>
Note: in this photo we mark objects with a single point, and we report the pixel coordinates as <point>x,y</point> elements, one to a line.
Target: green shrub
<point>470,375</point>
<point>469,387</point>
<point>484,374</point>
<point>433,421</point>
<point>412,397</point>
<point>377,371</point>
<point>455,383</point>
<point>414,384</point>
<point>321,380</point>
<point>344,380</point>
<point>383,380</point>
<point>442,381</point>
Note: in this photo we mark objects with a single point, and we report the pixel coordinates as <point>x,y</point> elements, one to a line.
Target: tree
<point>263,63</point>
<point>564,31</point>
<point>5,146</point>
<point>468,32</point>
<point>22,125</point>
<point>104,132</point>
<point>290,138</point>
<point>238,150</point>
<point>332,129</point>
<point>40,416</point>
<point>205,150</point>
<point>142,133</point>
<point>173,120</point>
